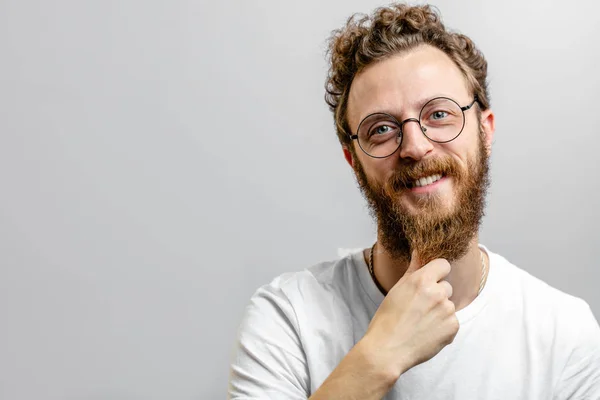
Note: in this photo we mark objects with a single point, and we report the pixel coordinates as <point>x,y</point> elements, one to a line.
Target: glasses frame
<point>418,121</point>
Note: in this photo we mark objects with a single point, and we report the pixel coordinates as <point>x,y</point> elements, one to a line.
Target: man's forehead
<point>404,83</point>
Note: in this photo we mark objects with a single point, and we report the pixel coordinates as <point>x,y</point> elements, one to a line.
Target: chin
<point>431,204</point>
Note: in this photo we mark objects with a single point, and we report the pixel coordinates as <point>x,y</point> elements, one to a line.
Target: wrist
<point>383,363</point>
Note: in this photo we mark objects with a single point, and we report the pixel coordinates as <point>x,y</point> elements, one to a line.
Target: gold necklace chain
<point>383,291</point>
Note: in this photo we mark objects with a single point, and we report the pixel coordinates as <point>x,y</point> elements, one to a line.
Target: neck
<point>464,277</point>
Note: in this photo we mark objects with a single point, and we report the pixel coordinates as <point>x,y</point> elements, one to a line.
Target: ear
<point>348,156</point>
<point>489,128</point>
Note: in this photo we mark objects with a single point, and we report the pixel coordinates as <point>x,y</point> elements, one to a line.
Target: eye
<point>378,127</point>
<point>437,115</point>
<point>382,130</point>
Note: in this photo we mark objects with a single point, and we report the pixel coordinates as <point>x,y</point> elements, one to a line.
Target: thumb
<point>415,262</point>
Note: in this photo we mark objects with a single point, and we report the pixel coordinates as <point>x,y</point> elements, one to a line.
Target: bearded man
<point>426,312</point>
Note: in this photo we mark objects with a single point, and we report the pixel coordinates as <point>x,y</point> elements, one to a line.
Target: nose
<point>415,144</point>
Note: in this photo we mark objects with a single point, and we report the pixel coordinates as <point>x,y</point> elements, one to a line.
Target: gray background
<point>159,161</point>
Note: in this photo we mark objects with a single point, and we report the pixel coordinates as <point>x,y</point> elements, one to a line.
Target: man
<point>426,312</point>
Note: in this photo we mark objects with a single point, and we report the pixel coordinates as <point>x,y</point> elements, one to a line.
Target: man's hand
<point>416,320</point>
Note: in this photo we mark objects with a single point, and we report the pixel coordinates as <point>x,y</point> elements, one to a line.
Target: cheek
<point>382,169</point>
<point>375,171</point>
<point>463,148</point>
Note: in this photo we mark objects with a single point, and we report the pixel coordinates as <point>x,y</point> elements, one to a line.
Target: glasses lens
<point>379,135</point>
<point>442,119</point>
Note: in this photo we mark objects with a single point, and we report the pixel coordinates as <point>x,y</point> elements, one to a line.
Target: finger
<point>415,262</point>
<point>437,269</point>
<point>447,288</point>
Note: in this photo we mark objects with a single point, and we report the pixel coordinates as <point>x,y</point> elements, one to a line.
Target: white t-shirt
<point>519,339</point>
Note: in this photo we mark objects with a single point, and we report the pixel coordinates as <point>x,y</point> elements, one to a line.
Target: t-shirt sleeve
<point>268,361</point>
<point>580,378</point>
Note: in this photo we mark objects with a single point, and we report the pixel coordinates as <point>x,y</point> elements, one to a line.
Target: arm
<point>360,375</point>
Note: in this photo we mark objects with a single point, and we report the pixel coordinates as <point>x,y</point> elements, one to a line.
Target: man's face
<point>437,220</point>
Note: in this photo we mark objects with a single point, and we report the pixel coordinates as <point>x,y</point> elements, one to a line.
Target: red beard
<point>431,232</point>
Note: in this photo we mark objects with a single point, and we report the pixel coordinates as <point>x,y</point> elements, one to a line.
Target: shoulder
<point>321,279</point>
<point>557,319</point>
<point>532,291</point>
<point>316,282</point>
<point>269,352</point>
<point>270,343</point>
<point>294,304</point>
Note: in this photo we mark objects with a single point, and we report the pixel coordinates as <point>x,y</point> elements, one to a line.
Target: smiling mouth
<point>424,181</point>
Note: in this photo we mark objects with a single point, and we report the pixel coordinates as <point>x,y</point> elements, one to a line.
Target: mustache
<point>405,175</point>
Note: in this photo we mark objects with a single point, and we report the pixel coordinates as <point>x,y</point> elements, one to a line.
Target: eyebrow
<point>396,112</point>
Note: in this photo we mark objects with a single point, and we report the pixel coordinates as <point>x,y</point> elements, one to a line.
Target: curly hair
<point>367,39</point>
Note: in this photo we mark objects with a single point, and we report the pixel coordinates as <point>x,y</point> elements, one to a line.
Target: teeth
<point>428,180</point>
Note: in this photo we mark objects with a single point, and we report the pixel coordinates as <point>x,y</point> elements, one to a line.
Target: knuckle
<point>450,339</point>
<point>432,294</point>
<point>450,307</point>
<point>420,282</point>
<point>444,286</point>
<point>422,290</point>
<point>439,296</point>
<point>455,325</point>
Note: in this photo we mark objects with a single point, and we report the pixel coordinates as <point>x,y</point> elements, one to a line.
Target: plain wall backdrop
<point>160,160</point>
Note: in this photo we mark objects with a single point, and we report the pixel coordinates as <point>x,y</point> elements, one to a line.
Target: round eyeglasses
<point>441,120</point>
